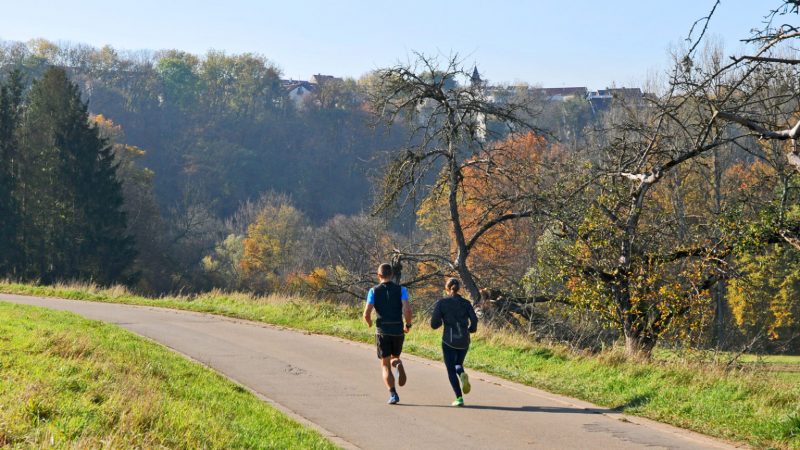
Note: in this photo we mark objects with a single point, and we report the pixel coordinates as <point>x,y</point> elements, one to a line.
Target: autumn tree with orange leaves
<point>493,188</point>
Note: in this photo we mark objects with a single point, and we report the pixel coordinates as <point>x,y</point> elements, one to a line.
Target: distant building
<point>561,94</point>
<point>475,80</point>
<point>478,85</point>
<point>297,90</point>
<point>320,79</point>
<point>601,99</point>
<point>502,94</point>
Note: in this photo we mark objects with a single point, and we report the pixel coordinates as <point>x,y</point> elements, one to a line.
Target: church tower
<point>478,86</point>
<point>475,79</point>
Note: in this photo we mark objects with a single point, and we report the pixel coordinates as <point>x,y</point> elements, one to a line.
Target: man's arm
<point>407,313</point>
<point>368,314</point>
<point>368,308</point>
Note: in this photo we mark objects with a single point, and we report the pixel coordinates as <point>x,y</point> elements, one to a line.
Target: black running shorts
<point>389,345</point>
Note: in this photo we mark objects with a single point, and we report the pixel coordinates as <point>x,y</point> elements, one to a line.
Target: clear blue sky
<point>548,42</point>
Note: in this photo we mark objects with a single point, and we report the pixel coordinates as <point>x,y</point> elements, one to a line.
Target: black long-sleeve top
<point>459,319</point>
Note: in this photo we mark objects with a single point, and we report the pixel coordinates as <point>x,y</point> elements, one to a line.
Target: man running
<point>391,305</point>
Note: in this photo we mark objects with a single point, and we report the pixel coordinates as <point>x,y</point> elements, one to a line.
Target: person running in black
<point>391,305</point>
<point>459,319</point>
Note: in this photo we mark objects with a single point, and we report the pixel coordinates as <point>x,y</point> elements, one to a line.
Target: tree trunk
<point>639,342</point>
<point>639,345</point>
<point>397,270</point>
<point>720,311</point>
<point>718,291</point>
<point>469,283</point>
<point>455,218</point>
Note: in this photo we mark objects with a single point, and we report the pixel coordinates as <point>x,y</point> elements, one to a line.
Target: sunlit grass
<point>753,406</point>
<point>725,358</point>
<point>772,359</point>
<point>67,382</point>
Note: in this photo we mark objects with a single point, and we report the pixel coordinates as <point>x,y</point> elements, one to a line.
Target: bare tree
<point>752,99</point>
<point>452,126</point>
<point>350,248</point>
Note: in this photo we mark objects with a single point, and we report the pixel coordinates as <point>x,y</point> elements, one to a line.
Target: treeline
<point>61,203</point>
<point>218,129</point>
<point>201,139</point>
<point>198,137</point>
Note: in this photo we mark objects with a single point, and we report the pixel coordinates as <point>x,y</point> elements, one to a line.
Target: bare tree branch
<point>488,225</point>
<point>789,61</point>
<point>765,133</point>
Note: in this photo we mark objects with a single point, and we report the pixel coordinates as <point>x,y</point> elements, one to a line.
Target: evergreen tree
<point>10,110</point>
<point>107,250</point>
<point>71,199</point>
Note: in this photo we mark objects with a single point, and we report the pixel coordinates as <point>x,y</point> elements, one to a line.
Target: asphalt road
<point>334,386</point>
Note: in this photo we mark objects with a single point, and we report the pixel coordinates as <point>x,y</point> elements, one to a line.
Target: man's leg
<point>388,377</point>
<point>397,348</point>
<point>401,371</point>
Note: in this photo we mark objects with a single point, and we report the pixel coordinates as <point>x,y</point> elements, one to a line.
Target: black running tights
<point>454,357</point>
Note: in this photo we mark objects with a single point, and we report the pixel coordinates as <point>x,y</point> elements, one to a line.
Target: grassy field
<point>66,382</point>
<point>758,407</point>
<point>782,366</point>
<point>773,359</point>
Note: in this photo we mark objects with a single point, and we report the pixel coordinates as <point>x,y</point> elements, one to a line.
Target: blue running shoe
<point>393,399</point>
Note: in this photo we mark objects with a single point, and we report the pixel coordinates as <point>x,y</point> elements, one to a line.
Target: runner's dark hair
<point>385,270</point>
<point>453,285</point>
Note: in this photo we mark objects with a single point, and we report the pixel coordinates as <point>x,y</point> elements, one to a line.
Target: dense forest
<point>219,128</point>
<point>204,143</point>
<point>668,218</point>
<point>199,140</point>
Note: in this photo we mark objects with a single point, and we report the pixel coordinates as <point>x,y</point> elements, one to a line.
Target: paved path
<point>334,385</point>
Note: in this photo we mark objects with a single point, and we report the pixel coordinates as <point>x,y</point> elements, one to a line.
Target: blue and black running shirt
<point>388,298</point>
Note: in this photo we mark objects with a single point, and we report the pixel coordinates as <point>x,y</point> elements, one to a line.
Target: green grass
<point>761,408</point>
<point>789,362</point>
<point>772,359</point>
<point>67,382</point>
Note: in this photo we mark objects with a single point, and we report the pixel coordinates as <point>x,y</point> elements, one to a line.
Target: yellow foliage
<point>317,278</point>
<point>766,297</point>
<point>272,242</point>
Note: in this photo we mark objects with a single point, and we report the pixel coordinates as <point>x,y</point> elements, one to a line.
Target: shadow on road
<point>639,400</point>
<point>533,409</point>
